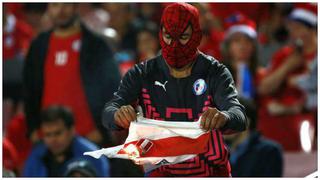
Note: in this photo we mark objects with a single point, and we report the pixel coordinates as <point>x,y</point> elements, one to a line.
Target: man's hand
<point>124,116</point>
<point>213,119</point>
<point>294,61</point>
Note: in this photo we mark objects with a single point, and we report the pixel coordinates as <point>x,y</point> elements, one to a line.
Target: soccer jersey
<point>165,98</point>
<point>63,83</point>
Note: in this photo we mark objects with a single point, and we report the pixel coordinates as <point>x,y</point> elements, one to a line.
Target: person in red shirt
<point>70,66</point>
<point>17,35</point>
<point>281,100</point>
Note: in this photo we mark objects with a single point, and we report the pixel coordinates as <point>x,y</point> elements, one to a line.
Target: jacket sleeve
<point>30,90</point>
<point>225,99</point>
<point>128,92</point>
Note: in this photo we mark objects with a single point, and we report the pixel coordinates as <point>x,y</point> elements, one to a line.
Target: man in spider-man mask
<point>182,84</point>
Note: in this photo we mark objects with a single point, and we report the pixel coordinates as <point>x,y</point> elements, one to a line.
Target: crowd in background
<point>270,49</point>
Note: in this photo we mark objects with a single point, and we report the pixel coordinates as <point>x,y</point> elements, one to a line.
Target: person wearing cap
<point>59,146</point>
<point>182,84</point>
<point>240,53</point>
<point>80,168</point>
<point>281,100</point>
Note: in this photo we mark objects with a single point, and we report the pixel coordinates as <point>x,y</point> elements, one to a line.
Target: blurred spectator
<point>147,47</point>
<point>272,32</point>
<point>33,14</point>
<point>282,102</point>
<point>94,16</point>
<point>122,16</point>
<point>10,157</point>
<point>252,155</point>
<point>80,168</point>
<point>212,31</point>
<point>15,8</point>
<point>256,11</point>
<point>17,35</point>
<point>149,12</point>
<point>15,132</point>
<point>240,53</point>
<point>60,145</point>
<point>71,66</point>
<point>147,42</point>
<point>308,83</point>
<point>124,22</point>
<point>291,61</point>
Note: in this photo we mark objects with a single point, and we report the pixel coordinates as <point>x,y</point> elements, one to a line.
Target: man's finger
<point>221,122</point>
<point>209,120</point>
<point>118,119</point>
<point>123,118</point>
<point>215,121</point>
<point>125,113</point>
<point>132,113</point>
<point>203,118</point>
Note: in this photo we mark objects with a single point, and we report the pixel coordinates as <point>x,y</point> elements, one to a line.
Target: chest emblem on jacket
<point>199,87</point>
<point>157,83</point>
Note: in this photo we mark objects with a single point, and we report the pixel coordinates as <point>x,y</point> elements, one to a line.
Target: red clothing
<point>17,36</point>
<point>63,83</point>
<point>286,128</point>
<point>16,132</point>
<point>10,155</point>
<point>210,45</point>
<point>256,11</point>
<point>15,8</point>
<point>287,94</point>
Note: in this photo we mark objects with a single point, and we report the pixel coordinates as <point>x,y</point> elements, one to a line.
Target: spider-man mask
<point>175,19</point>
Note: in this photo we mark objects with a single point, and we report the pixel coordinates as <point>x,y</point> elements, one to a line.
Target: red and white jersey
<point>154,143</point>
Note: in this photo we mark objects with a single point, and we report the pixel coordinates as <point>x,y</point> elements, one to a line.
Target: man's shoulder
<point>148,66</point>
<point>269,146</point>
<point>82,144</point>
<point>213,64</point>
<point>38,149</point>
<point>42,37</point>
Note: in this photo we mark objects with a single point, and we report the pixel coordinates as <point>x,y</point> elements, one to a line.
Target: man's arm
<point>276,77</point>
<point>128,92</point>
<point>225,100</point>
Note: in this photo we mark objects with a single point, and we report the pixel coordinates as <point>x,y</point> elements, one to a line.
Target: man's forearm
<point>273,81</point>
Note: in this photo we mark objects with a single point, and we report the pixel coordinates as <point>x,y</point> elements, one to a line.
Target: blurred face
<point>119,14</point>
<point>57,136</point>
<point>299,31</point>
<point>147,43</point>
<point>241,47</point>
<point>62,14</point>
<point>183,39</point>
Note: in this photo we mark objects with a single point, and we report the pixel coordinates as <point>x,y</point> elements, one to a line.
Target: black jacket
<point>99,74</point>
<point>164,97</point>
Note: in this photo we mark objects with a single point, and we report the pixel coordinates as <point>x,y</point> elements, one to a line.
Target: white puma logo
<point>157,83</point>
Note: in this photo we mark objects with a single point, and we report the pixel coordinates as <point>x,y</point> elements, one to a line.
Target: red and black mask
<point>176,18</point>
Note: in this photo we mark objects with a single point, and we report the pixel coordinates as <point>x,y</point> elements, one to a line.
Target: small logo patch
<point>199,87</point>
<point>162,162</point>
<point>157,83</point>
<point>76,45</point>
